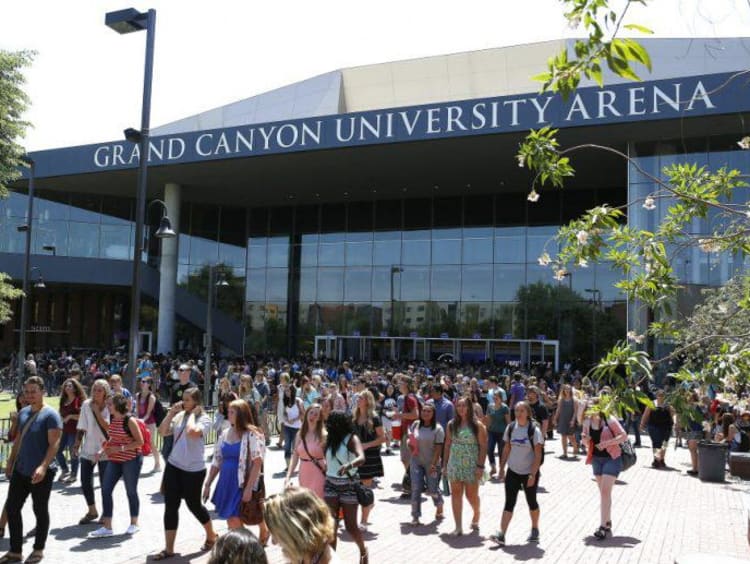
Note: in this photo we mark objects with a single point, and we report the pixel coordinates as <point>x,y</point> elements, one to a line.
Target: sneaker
<point>63,476</point>
<point>498,538</point>
<point>692,472</point>
<point>70,479</point>
<point>132,529</point>
<point>388,451</point>
<point>415,522</point>
<point>534,536</point>
<point>100,533</point>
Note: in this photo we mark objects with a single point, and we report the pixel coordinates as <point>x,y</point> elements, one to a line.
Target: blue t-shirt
<point>35,443</point>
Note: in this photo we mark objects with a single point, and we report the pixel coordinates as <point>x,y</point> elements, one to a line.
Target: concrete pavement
<point>658,516</point>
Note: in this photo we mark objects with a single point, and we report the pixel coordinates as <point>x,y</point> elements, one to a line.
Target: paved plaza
<point>658,515</point>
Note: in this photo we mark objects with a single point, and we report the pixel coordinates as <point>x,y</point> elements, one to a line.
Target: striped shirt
<point>119,436</point>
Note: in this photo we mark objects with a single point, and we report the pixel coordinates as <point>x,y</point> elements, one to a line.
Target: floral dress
<point>464,454</point>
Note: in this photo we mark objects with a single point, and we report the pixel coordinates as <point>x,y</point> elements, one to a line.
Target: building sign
<point>656,100</point>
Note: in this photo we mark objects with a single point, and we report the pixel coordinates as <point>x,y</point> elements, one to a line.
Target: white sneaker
<point>132,529</point>
<point>101,532</point>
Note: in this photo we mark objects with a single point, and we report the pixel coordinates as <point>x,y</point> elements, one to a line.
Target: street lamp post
<point>596,300</point>
<point>222,282</point>
<point>128,21</point>
<point>21,360</point>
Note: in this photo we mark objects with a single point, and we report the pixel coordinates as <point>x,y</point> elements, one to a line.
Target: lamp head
<point>40,283</point>
<point>165,230</point>
<point>133,135</point>
<point>222,281</point>
<point>127,20</point>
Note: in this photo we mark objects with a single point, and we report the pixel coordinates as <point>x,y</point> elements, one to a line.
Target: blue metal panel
<point>632,102</point>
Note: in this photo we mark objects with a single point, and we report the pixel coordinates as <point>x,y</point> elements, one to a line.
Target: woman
<point>496,420</point>
<point>123,449</point>
<point>388,406</point>
<point>426,440</point>
<point>293,411</point>
<point>72,397</point>
<point>226,396</point>
<point>238,459</point>
<point>565,420</point>
<point>659,422</point>
<point>309,450</point>
<point>465,450</point>
<point>369,429</point>
<point>344,455</point>
<point>238,546</point>
<point>302,525</point>
<point>694,429</point>
<point>523,453</point>
<point>280,389</point>
<point>344,402</point>
<point>93,432</point>
<point>603,434</point>
<point>185,469</point>
<point>145,402</point>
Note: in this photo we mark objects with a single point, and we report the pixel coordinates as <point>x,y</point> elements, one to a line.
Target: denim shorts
<point>608,466</point>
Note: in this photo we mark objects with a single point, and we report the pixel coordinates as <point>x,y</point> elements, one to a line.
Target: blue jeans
<point>606,465</point>
<point>67,441</point>
<point>129,471</point>
<point>418,474</point>
<point>290,433</point>
<point>494,441</point>
<point>87,478</point>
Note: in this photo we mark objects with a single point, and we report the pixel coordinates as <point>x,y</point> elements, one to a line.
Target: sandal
<point>88,518</point>
<point>9,557</point>
<point>34,557</point>
<point>163,555</point>
<point>209,544</point>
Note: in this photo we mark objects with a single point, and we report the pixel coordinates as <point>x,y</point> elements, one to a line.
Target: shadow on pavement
<point>466,540</point>
<point>87,544</point>
<point>72,532</point>
<point>615,541</point>
<point>178,558</point>
<point>421,530</point>
<point>522,551</point>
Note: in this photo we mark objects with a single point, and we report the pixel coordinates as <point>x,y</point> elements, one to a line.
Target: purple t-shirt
<point>517,393</point>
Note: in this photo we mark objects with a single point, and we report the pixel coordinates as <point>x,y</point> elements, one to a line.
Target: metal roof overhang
<point>473,164</point>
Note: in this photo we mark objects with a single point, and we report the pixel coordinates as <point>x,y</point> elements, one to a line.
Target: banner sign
<point>657,100</point>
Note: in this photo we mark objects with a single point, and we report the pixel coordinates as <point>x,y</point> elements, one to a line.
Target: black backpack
<point>532,427</point>
<point>159,411</point>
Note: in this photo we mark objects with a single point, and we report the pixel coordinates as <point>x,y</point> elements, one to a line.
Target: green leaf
<point>640,28</point>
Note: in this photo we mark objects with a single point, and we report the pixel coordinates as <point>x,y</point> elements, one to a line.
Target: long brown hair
<point>244,420</point>
<point>319,431</point>
<point>80,393</point>
<point>471,418</point>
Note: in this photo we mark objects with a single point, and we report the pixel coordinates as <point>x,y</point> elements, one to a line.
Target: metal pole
<point>21,360</point>
<point>140,206</point>
<point>209,337</point>
<point>393,312</point>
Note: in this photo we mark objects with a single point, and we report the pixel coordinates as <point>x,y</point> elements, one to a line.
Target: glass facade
<point>433,267</point>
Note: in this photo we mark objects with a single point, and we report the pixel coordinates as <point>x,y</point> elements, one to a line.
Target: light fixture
<point>40,283</point>
<point>127,20</point>
<point>222,281</point>
<point>50,249</point>
<point>132,135</point>
<point>165,230</point>
<point>22,228</point>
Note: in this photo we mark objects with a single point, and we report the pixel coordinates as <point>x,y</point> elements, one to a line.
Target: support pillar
<point>168,273</point>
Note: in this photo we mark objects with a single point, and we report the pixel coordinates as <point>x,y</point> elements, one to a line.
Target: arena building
<point>375,211</point>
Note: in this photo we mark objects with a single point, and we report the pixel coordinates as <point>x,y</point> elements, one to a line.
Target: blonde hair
<point>300,521</point>
<point>370,411</point>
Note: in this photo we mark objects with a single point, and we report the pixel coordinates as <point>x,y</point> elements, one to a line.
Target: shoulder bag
<point>251,512</point>
<point>312,459</point>
<point>627,452</point>
<point>365,496</point>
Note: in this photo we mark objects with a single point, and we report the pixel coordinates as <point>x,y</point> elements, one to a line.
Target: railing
<point>208,439</point>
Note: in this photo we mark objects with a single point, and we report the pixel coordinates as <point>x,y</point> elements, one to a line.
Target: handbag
<point>627,452</point>
<point>251,512</point>
<point>365,496</point>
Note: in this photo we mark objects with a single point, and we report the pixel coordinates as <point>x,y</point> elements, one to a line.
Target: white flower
<point>649,204</point>
<point>582,237</point>
<point>747,214</point>
<point>744,143</point>
<point>560,274</point>
<point>583,263</point>
<point>544,259</point>
<point>574,23</point>
<point>533,196</point>
<point>635,337</point>
<point>708,245</point>
<point>520,160</point>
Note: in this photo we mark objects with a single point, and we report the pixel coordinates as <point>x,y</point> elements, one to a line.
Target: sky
<point>86,81</point>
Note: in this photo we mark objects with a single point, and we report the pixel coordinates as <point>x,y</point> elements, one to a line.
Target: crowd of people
<point>334,422</point>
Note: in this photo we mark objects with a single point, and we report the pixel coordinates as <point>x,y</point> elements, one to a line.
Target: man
<point>517,390</point>
<point>444,412</point>
<point>31,469</point>
<point>115,381</point>
<point>539,410</point>
<point>495,389</point>
<point>145,367</point>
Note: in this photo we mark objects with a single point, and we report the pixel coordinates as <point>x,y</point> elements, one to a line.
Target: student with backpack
<point>523,453</point>
<point>123,449</point>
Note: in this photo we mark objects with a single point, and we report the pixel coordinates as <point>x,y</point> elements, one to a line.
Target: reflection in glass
<point>415,283</point>
<point>446,282</point>
<point>359,254</point>
<point>307,284</point>
<point>116,242</point>
<point>203,251</point>
<point>277,280</point>
<point>416,252</point>
<point>84,240</point>
<point>255,289</point>
<point>446,251</point>
<point>256,252</point>
<point>386,253</point>
<point>477,251</point>
<point>278,252</point>
<point>331,254</point>
<point>508,278</point>
<point>476,282</point>
<point>330,284</point>
<point>357,284</point>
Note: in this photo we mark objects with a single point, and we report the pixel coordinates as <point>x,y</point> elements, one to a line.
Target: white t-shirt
<point>93,439</point>
<point>188,452</point>
<point>521,457</point>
